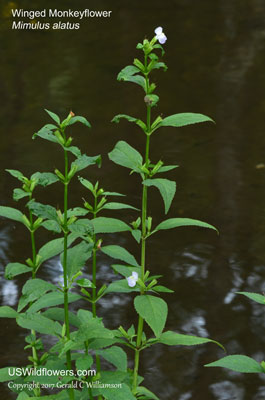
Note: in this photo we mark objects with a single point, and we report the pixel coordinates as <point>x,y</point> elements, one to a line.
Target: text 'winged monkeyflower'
<point>160,36</point>
<point>132,279</point>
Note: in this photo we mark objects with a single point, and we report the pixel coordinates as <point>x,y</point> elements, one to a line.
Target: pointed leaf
<point>153,310</point>
<point>16,174</point>
<point>19,194</point>
<point>171,338</point>
<point>109,225</point>
<point>84,161</point>
<point>7,312</point>
<point>53,116</point>
<point>238,363</point>
<point>125,270</point>
<point>138,122</point>
<point>166,187</point>
<point>86,183</point>
<point>39,323</point>
<point>51,249</point>
<point>76,258</point>
<point>183,119</point>
<point>45,178</point>
<point>84,362</point>
<point>259,298</point>
<point>142,391</point>
<point>125,155</point>
<point>118,206</point>
<point>52,299</point>
<point>127,72</point>
<point>178,222</point>
<point>46,134</point>
<point>121,286</point>
<point>11,213</point>
<point>80,119</point>
<point>57,314</point>
<point>116,356</point>
<point>14,269</point>
<point>119,253</point>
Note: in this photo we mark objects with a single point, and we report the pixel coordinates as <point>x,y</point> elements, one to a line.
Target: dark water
<point>215,54</point>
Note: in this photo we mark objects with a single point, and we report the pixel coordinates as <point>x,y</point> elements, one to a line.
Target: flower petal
<point>131,281</point>
<point>158,30</point>
<point>135,275</point>
<point>162,38</point>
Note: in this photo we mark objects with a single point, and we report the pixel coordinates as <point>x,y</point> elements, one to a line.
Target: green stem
<point>37,391</point>
<point>94,281</point>
<point>66,304</point>
<point>143,239</point>
<point>143,254</point>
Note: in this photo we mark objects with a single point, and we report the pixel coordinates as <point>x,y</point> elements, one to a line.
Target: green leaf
<point>11,213</point>
<point>138,122</point>
<point>153,310</point>
<point>39,323</point>
<point>53,116</point>
<point>82,227</point>
<point>85,283</point>
<point>116,356</point>
<point>7,312</point>
<point>116,394</point>
<point>33,290</point>
<point>109,225</point>
<point>23,396</point>
<point>84,161</point>
<point>86,183</point>
<point>125,270</point>
<point>121,286</point>
<point>171,338</point>
<point>46,134</point>
<point>119,253</point>
<point>254,296</point>
<point>57,314</point>
<point>142,391</point>
<point>5,376</point>
<point>84,362</point>
<point>125,155</point>
<point>138,79</point>
<point>43,210</point>
<point>183,119</point>
<point>238,363</point>
<point>163,289</point>
<point>137,234</point>
<point>51,226</point>
<point>127,72</point>
<point>113,194</point>
<point>166,168</point>
<point>76,212</point>
<point>19,194</point>
<point>45,178</point>
<point>51,249</point>
<point>178,222</point>
<point>118,206</point>
<point>74,150</point>
<point>14,269</point>
<point>80,119</point>
<point>76,258</point>
<point>16,174</point>
<point>52,299</point>
<point>166,187</point>
<point>93,328</point>
<point>160,65</point>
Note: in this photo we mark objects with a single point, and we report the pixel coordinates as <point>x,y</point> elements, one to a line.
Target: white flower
<point>132,279</point>
<point>160,36</point>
